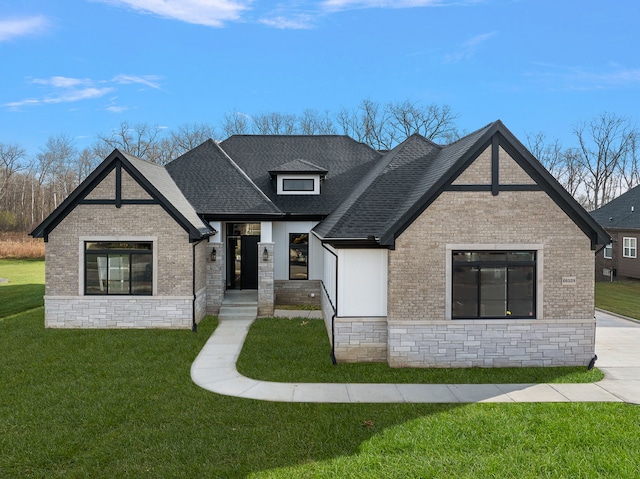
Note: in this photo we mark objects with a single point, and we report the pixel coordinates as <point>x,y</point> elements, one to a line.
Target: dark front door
<point>242,264</point>
<point>249,267</point>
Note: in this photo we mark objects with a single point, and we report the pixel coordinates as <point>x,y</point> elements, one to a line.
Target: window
<point>298,184</point>
<point>608,251</point>
<point>302,184</point>
<point>493,284</point>
<point>630,247</point>
<point>298,255</point>
<point>118,268</point>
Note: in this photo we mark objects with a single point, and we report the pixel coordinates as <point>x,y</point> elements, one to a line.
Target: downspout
<point>194,325</point>
<point>335,309</point>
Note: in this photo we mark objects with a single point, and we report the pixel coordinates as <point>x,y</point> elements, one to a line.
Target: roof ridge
<point>244,174</point>
<point>485,127</point>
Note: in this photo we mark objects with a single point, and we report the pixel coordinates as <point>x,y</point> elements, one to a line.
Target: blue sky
<point>81,67</point>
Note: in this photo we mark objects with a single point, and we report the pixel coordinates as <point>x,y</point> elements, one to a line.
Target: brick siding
<point>174,271</point>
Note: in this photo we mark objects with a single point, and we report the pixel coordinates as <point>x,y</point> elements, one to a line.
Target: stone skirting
<point>215,278</point>
<point>360,340</point>
<point>491,343</point>
<point>266,294</point>
<point>201,304</point>
<point>171,312</point>
<point>297,292</point>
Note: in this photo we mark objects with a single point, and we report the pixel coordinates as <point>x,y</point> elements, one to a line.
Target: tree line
<point>602,163</point>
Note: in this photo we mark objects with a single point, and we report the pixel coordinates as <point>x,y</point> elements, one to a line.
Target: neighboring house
<point>463,255</point>
<point>621,219</point>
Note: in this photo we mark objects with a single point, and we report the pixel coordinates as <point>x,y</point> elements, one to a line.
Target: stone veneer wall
<point>417,279</point>
<point>266,294</point>
<point>491,343</point>
<point>118,312</point>
<point>360,340</point>
<point>201,258</point>
<point>215,278</point>
<point>297,292</point>
<point>172,304</point>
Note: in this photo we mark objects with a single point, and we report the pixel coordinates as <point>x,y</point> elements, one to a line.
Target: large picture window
<point>298,255</point>
<point>630,247</point>
<point>493,284</point>
<point>118,268</point>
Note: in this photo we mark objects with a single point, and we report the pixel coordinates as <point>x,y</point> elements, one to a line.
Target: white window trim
<point>633,248</point>
<point>609,248</point>
<point>538,248</point>
<point>316,184</point>
<point>123,239</point>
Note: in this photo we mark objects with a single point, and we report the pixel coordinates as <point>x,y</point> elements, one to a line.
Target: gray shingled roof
<point>160,179</point>
<point>298,166</point>
<point>405,175</point>
<point>215,185</point>
<point>622,212</point>
<point>345,160</point>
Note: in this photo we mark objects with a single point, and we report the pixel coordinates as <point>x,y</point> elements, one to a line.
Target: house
<point>463,255</point>
<point>621,219</point>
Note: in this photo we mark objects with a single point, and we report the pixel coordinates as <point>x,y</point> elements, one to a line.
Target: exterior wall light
<point>213,254</point>
<point>265,254</point>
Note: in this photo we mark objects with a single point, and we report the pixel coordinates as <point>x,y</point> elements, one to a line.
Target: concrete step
<point>235,310</point>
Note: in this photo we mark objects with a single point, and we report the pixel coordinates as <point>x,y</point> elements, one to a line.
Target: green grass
<point>622,297</point>
<point>298,350</point>
<point>97,403</point>
<point>25,287</point>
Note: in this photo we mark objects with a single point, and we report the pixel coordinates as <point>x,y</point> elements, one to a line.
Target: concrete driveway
<point>618,350</point>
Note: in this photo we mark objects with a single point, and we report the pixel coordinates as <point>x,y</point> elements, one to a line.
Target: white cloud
<point>297,22</point>
<point>116,109</point>
<point>62,82</point>
<point>468,49</point>
<point>18,27</point>
<point>559,77</point>
<point>63,89</point>
<point>148,80</point>
<point>339,5</point>
<point>212,13</point>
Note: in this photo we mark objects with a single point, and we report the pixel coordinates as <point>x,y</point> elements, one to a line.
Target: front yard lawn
<point>622,297</point>
<point>118,403</point>
<point>298,350</point>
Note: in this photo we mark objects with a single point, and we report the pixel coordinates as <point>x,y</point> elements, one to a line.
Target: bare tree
<point>11,158</point>
<point>190,135</point>
<point>629,166</point>
<point>138,140</point>
<point>274,123</point>
<point>431,121</point>
<point>383,127</point>
<point>368,123</point>
<point>235,123</point>
<point>313,123</point>
<point>602,143</point>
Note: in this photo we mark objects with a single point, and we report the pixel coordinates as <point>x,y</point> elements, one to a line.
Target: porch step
<point>237,311</point>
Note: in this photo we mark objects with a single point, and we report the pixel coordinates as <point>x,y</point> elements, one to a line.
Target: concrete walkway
<point>617,343</point>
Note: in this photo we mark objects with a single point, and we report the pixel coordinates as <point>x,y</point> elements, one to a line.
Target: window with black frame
<point>493,284</point>
<point>298,255</point>
<point>118,268</point>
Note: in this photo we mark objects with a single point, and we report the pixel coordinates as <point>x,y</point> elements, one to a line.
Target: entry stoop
<point>239,305</point>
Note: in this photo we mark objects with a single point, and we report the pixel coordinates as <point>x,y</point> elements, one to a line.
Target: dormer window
<point>298,177</point>
<point>298,184</point>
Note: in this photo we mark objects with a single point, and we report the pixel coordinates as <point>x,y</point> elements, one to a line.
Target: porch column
<point>215,277</point>
<point>266,295</point>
